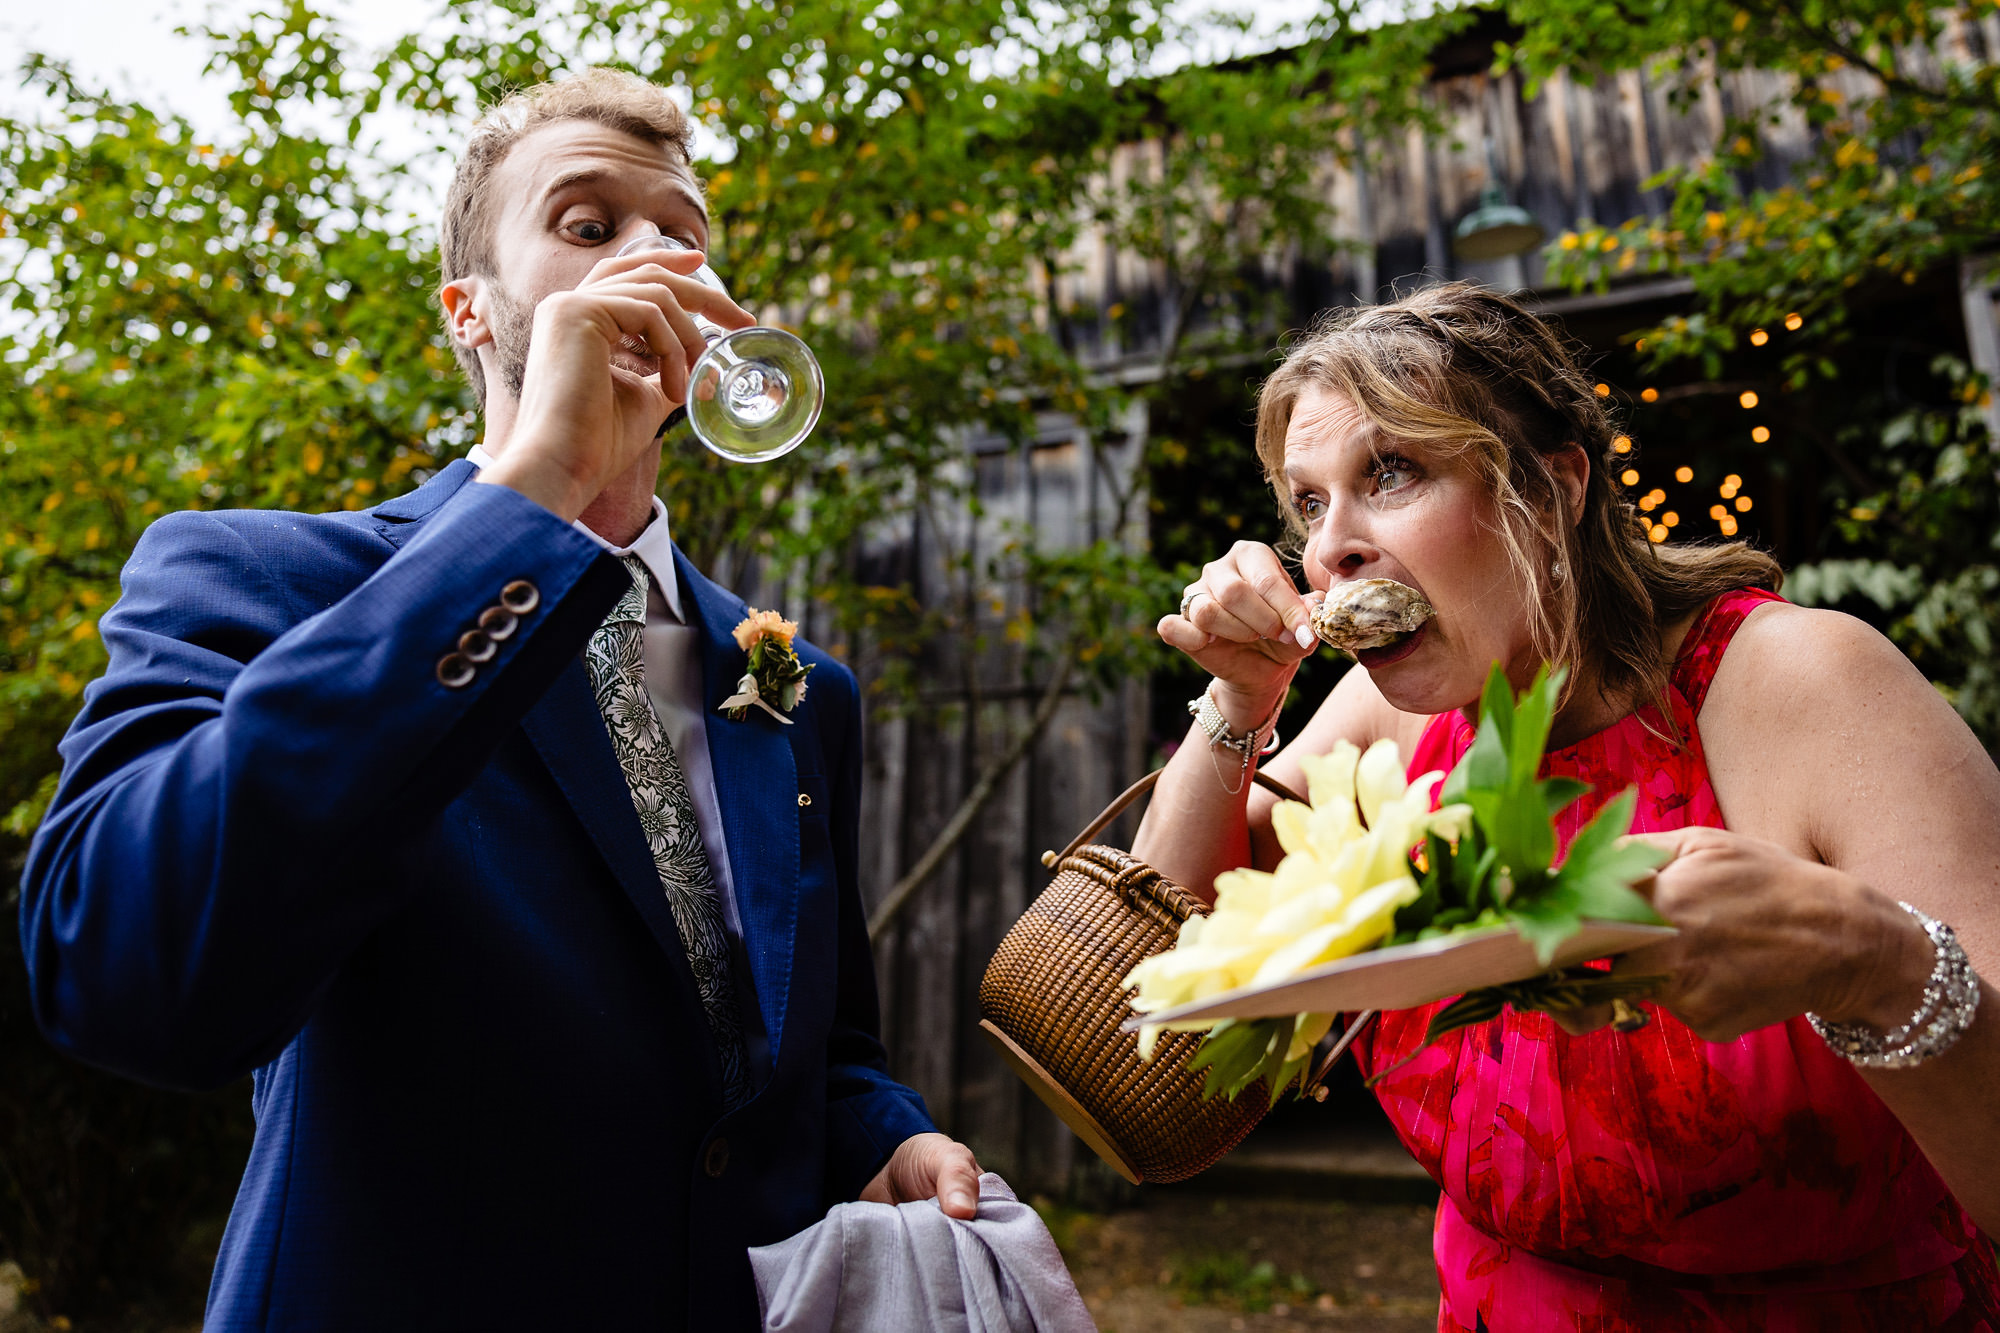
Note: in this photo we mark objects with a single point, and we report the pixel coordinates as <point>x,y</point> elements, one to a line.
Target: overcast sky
<point>131,48</point>
<point>130,45</point>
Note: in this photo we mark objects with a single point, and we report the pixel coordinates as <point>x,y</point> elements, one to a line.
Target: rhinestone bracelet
<point>1951,998</point>
<point>1248,746</point>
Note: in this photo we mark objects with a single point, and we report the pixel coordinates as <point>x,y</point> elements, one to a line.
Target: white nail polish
<point>1305,636</point>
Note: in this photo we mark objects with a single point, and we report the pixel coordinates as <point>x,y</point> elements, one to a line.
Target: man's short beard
<point>513,326</point>
<point>513,323</point>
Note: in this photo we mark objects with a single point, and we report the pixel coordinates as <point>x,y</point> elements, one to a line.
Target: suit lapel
<point>756,785</point>
<point>568,733</point>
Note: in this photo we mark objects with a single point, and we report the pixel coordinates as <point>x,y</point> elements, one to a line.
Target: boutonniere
<point>775,679</point>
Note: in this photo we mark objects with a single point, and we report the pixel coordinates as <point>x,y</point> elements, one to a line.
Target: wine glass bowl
<point>756,393</point>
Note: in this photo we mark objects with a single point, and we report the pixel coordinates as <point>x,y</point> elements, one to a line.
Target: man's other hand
<point>927,1166</point>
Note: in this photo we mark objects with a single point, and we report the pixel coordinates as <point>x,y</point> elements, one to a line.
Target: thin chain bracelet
<point>1951,998</point>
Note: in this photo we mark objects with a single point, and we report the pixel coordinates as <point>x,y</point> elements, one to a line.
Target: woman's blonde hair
<point>1462,373</point>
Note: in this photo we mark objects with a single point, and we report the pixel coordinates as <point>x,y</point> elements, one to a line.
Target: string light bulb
<point>1658,534</point>
<point>1621,444</point>
<point>1729,527</point>
<point>1742,504</point>
<point>1718,513</point>
<point>1630,476</point>
<point>1670,519</point>
<point>1794,321</point>
<point>1761,434</point>
<point>1758,337</point>
<point>1649,395</point>
<point>1602,390</point>
<point>1748,398</point>
<point>1683,474</point>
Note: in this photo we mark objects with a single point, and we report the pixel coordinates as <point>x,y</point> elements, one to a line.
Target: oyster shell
<point>1369,613</point>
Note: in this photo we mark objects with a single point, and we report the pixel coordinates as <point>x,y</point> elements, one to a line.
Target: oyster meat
<point>1369,613</point>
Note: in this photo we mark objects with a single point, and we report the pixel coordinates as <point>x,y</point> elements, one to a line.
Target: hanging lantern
<point>1497,228</point>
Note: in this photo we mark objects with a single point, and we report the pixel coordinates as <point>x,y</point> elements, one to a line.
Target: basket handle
<point>1133,793</point>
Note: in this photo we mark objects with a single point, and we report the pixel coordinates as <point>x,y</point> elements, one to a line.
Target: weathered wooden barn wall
<point>1575,150</point>
<point>921,764</point>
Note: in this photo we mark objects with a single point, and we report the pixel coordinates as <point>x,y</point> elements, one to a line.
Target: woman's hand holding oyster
<point>1245,623</point>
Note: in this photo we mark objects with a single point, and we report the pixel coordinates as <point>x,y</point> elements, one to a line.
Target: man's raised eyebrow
<point>570,179</point>
<point>592,175</point>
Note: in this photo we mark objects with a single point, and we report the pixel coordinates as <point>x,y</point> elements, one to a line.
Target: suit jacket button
<point>477,646</point>
<point>454,672</point>
<point>716,1160</point>
<point>498,623</point>
<point>520,597</point>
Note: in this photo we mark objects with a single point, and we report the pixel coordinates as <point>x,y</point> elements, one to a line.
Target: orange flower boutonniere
<point>774,679</point>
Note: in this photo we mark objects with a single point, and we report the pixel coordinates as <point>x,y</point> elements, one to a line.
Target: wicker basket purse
<point>1053,1003</point>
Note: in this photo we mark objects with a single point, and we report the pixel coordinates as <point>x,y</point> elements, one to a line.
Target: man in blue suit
<point>549,1019</point>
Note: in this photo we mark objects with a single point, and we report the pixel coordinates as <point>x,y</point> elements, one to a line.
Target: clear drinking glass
<point>756,393</point>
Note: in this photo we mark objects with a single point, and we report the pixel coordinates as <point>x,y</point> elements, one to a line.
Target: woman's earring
<point>1558,572</point>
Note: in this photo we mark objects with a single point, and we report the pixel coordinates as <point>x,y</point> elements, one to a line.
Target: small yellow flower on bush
<point>1345,872</point>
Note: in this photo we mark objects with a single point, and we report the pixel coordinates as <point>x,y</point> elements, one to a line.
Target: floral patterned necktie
<point>617,666</point>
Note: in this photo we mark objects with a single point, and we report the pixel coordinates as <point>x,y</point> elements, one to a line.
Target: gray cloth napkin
<point>872,1267</point>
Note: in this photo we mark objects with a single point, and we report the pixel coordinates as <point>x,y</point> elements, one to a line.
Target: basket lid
<point>1081,1122</point>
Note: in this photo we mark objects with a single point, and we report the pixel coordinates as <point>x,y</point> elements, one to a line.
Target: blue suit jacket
<point>427,919</point>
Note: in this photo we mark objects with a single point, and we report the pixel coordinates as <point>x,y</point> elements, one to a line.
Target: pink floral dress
<point>1651,1180</point>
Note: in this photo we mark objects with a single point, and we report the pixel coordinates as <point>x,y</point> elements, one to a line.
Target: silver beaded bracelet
<point>1208,716</point>
<point>1951,998</point>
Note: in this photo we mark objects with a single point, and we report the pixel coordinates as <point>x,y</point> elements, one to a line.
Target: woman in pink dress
<point>1725,1166</point>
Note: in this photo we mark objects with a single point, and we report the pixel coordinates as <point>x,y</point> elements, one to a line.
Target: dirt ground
<point>1188,1263</point>
<point>1173,1262</point>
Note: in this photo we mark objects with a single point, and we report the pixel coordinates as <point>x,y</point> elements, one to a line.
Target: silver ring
<point>1187,598</point>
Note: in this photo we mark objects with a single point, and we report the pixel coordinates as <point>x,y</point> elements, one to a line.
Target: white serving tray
<point>1405,976</point>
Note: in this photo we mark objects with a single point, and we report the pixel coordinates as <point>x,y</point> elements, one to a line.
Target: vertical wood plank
<point>927,957</point>
<point>995,879</point>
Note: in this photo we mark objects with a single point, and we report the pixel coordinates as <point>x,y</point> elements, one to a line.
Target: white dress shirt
<point>673,680</point>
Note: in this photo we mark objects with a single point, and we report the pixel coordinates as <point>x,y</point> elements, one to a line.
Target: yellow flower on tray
<point>1366,863</point>
<point>1345,872</point>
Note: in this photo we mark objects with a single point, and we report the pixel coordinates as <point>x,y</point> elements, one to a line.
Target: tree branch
<point>975,801</point>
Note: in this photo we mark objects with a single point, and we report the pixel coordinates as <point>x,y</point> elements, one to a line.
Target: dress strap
<point>1701,652</point>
